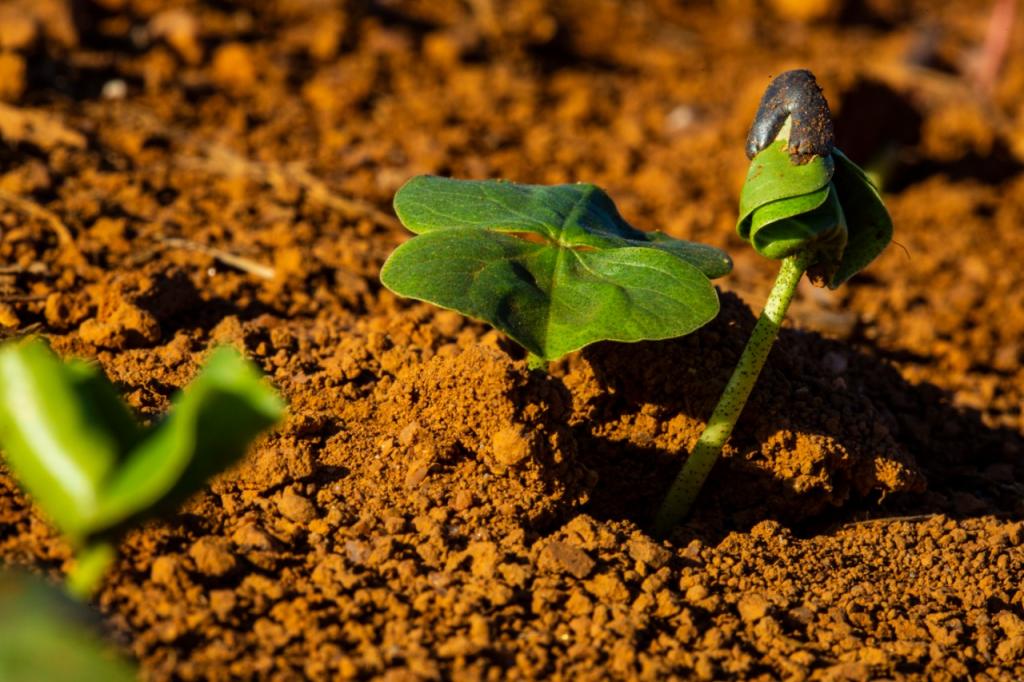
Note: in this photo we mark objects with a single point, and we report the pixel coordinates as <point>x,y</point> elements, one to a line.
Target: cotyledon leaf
<point>209,427</point>
<point>868,222</point>
<point>556,268</point>
<point>569,216</point>
<point>785,207</point>
<point>63,430</point>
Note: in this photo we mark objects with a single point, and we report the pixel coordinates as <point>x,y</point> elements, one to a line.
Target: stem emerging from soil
<point>91,565</point>
<point>688,483</point>
<point>536,362</point>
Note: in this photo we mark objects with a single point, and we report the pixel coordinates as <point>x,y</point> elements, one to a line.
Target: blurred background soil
<point>174,175</point>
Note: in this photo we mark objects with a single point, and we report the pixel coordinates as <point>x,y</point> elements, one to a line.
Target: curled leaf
<point>868,222</point>
<point>826,205</point>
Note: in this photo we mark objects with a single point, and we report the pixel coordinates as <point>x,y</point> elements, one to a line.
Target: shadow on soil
<point>848,414</point>
<point>893,150</point>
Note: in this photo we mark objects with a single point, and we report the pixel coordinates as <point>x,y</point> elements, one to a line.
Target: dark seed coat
<point>797,94</point>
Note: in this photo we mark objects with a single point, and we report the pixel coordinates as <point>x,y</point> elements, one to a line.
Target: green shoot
<point>806,204</point>
<point>93,470</point>
<point>555,268</point>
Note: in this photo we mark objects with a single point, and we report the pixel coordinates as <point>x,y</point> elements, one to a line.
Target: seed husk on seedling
<point>78,451</point>
<point>556,268</point>
<point>804,203</point>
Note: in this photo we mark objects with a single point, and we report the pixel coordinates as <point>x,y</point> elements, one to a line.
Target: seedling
<point>803,203</point>
<point>554,267</point>
<point>93,469</point>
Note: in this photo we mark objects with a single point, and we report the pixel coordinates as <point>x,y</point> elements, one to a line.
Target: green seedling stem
<point>534,361</point>
<point>91,564</point>
<point>688,484</point>
<point>807,205</point>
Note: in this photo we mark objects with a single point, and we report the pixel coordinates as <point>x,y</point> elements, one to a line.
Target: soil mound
<point>816,432</point>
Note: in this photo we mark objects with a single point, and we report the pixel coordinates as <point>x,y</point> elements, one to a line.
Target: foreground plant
<point>94,470</point>
<point>554,267</point>
<point>47,636</point>
<point>803,203</point>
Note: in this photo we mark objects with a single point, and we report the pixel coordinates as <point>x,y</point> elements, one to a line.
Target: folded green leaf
<point>45,637</point>
<point>786,208</point>
<point>870,226</point>
<point>826,205</point>
<point>556,268</point>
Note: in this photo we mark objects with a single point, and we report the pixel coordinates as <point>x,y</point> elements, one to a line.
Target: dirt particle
<point>222,602</point>
<point>120,324</point>
<point>485,557</point>
<point>647,552</point>
<point>18,29</point>
<point>295,507</point>
<point>248,536</point>
<point>357,551</point>
<point>164,570</point>
<point>834,363</point>
<point>12,76</point>
<point>1010,623</point>
<point>448,322</point>
<point>565,558</point>
<point>806,10</point>
<point>873,656</point>
<point>211,556</point>
<point>479,631</point>
<point>1010,649</point>
<point>752,607</point>
<point>462,501</point>
<point>8,318</point>
<point>181,31</point>
<point>233,67</point>
<point>853,671</point>
<point>697,593</point>
<point>511,446</point>
<point>704,667</point>
<point>418,471</point>
<point>608,587</point>
<point>407,436</point>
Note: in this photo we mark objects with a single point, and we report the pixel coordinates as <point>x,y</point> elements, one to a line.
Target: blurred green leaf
<point>556,268</point>
<point>47,637</point>
<point>80,454</point>
<point>209,428</point>
<point>62,431</point>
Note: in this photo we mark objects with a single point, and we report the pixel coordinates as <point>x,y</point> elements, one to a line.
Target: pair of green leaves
<point>554,267</point>
<point>92,468</point>
<point>828,205</point>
